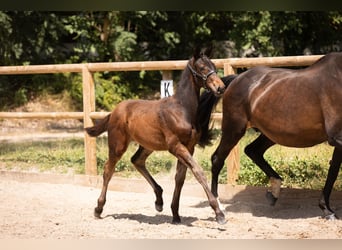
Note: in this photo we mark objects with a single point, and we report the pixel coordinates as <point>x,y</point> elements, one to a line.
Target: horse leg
<point>256,151</point>
<point>138,160</point>
<point>116,150</point>
<point>179,179</point>
<point>109,169</point>
<point>185,157</point>
<point>231,134</point>
<point>334,168</point>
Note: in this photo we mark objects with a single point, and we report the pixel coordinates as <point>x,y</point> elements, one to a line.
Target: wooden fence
<point>87,69</point>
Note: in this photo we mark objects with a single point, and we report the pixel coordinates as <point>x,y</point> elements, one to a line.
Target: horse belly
<point>147,133</point>
<point>292,125</point>
<point>301,139</point>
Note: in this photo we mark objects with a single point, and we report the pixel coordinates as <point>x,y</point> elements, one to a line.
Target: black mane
<point>207,103</point>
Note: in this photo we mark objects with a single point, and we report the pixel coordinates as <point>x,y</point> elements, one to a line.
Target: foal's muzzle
<point>215,85</point>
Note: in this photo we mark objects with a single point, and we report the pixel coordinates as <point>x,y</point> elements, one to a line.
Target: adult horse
<point>294,108</point>
<point>167,124</point>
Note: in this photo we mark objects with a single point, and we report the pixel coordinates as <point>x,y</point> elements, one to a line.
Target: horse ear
<point>208,51</point>
<point>197,52</point>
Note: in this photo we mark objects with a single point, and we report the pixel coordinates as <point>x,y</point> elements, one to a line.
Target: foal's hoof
<point>221,219</point>
<point>331,217</point>
<point>158,207</point>
<point>271,199</point>
<point>176,221</point>
<point>97,213</point>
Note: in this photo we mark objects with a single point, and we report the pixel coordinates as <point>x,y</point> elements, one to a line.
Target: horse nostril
<point>220,90</point>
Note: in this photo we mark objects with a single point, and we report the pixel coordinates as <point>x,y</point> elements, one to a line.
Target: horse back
<point>285,103</point>
<point>150,122</point>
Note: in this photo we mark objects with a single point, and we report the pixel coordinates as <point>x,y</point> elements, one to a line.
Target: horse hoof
<point>272,200</point>
<point>330,217</point>
<point>221,219</point>
<point>176,221</point>
<point>97,213</point>
<point>159,208</point>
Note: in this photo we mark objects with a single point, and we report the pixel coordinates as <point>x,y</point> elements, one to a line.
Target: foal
<point>167,124</point>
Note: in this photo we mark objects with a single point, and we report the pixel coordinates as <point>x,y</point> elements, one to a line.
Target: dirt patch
<point>40,210</point>
<point>61,207</point>
<point>45,103</point>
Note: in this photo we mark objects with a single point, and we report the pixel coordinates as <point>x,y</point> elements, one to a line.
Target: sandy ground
<point>37,206</point>
<point>41,210</point>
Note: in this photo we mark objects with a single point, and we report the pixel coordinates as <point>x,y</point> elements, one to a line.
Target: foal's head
<point>204,72</point>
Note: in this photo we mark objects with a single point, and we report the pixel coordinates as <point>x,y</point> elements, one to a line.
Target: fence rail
<point>230,66</point>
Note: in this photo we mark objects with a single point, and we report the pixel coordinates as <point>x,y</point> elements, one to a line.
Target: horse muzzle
<point>216,86</point>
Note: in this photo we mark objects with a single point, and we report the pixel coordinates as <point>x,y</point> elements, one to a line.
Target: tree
<point>31,37</point>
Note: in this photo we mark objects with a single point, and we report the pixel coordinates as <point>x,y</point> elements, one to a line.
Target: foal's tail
<point>206,105</point>
<point>99,128</point>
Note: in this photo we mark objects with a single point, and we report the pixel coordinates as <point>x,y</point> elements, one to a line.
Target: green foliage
<point>109,92</point>
<point>20,96</point>
<point>34,37</point>
<point>306,167</point>
<point>300,168</point>
<point>44,156</point>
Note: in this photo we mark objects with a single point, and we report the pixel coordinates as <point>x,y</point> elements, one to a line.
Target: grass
<point>304,168</point>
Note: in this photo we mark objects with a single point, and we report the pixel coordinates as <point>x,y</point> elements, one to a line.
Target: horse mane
<point>207,103</point>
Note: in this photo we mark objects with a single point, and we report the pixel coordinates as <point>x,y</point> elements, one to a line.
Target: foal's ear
<point>208,51</point>
<point>197,53</point>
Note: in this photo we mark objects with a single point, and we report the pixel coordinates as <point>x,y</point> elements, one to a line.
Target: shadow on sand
<point>292,203</point>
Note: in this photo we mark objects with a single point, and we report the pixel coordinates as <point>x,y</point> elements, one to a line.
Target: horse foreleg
<point>256,151</point>
<point>179,179</point>
<point>183,155</point>
<point>231,134</point>
<point>138,160</point>
<point>334,168</point>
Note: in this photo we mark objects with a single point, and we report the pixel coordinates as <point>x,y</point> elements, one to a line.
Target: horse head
<point>204,69</point>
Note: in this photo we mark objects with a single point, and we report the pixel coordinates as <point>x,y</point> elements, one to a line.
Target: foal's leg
<point>334,168</point>
<point>109,169</point>
<point>179,178</point>
<point>116,150</point>
<point>256,151</point>
<point>183,155</point>
<point>138,160</point>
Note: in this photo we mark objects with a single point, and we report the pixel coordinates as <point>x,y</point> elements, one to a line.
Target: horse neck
<point>188,93</point>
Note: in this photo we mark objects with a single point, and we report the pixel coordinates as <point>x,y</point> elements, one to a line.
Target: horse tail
<point>99,128</point>
<point>207,103</point>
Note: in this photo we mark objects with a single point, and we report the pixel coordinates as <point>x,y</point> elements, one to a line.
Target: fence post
<point>88,107</point>
<point>233,160</point>
<point>167,74</point>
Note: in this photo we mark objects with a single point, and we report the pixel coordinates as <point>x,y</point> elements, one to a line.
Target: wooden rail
<point>87,69</point>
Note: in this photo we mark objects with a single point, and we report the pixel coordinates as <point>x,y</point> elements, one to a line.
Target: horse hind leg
<point>116,150</point>
<point>108,172</point>
<point>179,179</point>
<point>334,168</point>
<point>138,160</point>
<point>256,151</point>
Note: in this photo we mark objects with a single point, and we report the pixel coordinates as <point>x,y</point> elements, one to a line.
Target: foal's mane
<point>207,103</point>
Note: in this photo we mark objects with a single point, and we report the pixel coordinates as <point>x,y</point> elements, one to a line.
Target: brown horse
<point>167,124</point>
<point>294,108</point>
